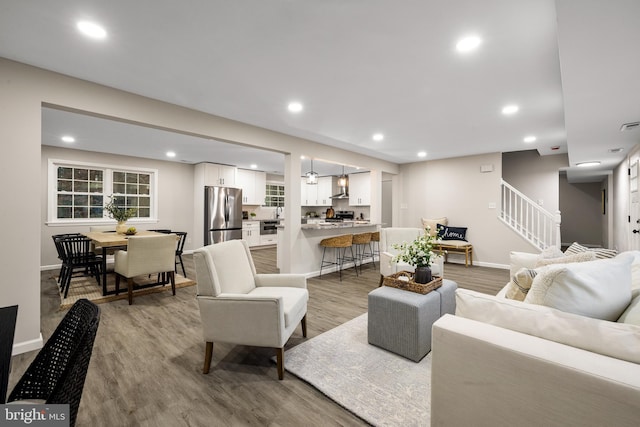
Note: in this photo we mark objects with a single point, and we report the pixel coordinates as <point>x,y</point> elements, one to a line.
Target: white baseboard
<point>25,346</point>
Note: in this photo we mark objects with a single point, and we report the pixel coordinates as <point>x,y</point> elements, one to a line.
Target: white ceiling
<point>358,68</point>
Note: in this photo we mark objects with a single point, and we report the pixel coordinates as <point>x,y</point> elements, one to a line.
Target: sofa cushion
<point>634,256</point>
<point>446,232</point>
<point>600,289</point>
<point>567,259</point>
<point>433,224</point>
<point>518,260</point>
<point>601,253</point>
<point>294,300</point>
<point>520,283</point>
<point>617,340</point>
<point>632,314</point>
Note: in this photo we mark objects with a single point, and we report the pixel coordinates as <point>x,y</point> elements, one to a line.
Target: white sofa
<point>395,235</point>
<point>501,362</point>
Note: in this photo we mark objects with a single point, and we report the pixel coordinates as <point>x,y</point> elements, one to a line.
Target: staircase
<point>536,225</point>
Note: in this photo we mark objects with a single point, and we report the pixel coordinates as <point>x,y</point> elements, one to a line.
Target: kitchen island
<point>308,242</point>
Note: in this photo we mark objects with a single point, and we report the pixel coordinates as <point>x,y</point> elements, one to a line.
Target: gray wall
<point>175,197</point>
<point>581,209</point>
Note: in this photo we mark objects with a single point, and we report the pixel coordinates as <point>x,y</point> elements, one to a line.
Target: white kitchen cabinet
<point>269,239</point>
<point>324,191</point>
<point>316,194</point>
<point>253,184</point>
<point>308,193</point>
<point>219,175</point>
<point>251,233</point>
<point>360,189</point>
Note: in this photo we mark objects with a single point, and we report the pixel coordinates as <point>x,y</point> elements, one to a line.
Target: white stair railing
<point>536,225</point>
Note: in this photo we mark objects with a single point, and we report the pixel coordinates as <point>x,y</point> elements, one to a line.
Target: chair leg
<point>208,355</point>
<point>184,273</point>
<point>172,277</point>
<point>324,249</point>
<point>117,283</point>
<point>381,279</point>
<point>304,326</point>
<point>130,289</point>
<point>280,358</point>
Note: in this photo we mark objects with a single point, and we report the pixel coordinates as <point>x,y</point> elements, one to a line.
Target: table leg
<point>104,270</point>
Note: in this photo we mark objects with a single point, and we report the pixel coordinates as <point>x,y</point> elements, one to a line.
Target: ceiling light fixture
<point>529,139</point>
<point>468,44</point>
<point>171,154</point>
<point>253,166</point>
<point>587,164</point>
<point>343,180</point>
<point>312,177</point>
<point>422,154</point>
<point>510,109</point>
<point>91,29</point>
<point>295,107</point>
<point>378,137</point>
<point>68,138</point>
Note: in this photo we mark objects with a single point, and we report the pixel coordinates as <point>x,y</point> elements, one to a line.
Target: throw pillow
<point>635,267</point>
<point>452,233</point>
<point>551,252</point>
<point>433,224</point>
<point>601,253</point>
<point>520,284</point>
<point>617,340</point>
<point>579,257</point>
<point>600,289</point>
<point>631,315</point>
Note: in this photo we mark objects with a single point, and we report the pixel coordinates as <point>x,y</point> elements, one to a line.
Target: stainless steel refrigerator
<point>222,214</point>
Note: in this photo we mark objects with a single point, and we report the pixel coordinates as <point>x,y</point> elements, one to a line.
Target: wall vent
<point>629,126</point>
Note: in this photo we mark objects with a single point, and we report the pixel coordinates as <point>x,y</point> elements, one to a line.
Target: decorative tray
<point>407,283</point>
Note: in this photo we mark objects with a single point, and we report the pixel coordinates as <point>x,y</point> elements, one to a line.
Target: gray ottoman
<point>400,321</point>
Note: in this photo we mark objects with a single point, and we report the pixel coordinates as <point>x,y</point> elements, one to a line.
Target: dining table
<point>105,240</point>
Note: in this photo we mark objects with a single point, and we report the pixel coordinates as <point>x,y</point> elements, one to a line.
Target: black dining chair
<point>60,250</point>
<point>58,372</point>
<point>179,249</point>
<point>77,254</point>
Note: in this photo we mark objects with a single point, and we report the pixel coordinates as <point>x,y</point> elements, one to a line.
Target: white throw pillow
<point>617,340</point>
<point>635,266</point>
<point>600,289</point>
<point>567,259</point>
<point>520,283</point>
<point>601,253</point>
<point>433,224</point>
<point>631,315</point>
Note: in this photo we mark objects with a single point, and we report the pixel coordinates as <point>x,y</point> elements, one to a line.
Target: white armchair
<point>239,306</point>
<point>395,235</point>
<point>146,255</point>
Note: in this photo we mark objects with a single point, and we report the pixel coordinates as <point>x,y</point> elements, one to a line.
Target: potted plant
<point>419,254</point>
<point>119,214</point>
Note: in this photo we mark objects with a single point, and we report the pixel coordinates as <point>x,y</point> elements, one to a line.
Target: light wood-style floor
<point>146,367</point>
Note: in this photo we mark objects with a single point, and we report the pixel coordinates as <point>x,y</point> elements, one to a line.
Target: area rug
<point>87,287</point>
<point>380,387</point>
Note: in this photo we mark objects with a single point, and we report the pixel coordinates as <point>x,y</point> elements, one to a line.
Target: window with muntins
<point>79,192</point>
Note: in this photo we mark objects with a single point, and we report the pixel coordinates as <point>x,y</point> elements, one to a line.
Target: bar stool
<point>362,241</point>
<point>340,245</point>
<point>375,243</point>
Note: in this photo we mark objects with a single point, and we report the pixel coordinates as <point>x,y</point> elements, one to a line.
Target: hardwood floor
<point>146,367</point>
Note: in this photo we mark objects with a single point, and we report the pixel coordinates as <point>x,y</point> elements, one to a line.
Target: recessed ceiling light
<point>529,139</point>
<point>422,154</point>
<point>253,166</point>
<point>295,107</point>
<point>68,138</point>
<point>171,154</point>
<point>468,44</point>
<point>510,109</point>
<point>587,164</point>
<point>378,137</point>
<point>91,29</point>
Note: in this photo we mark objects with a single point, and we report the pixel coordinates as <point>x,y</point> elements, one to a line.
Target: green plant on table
<point>418,253</point>
<point>118,213</point>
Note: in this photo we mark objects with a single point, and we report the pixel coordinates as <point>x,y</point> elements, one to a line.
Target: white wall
<point>535,176</point>
<point>456,188</point>
<point>620,211</point>
<point>175,197</point>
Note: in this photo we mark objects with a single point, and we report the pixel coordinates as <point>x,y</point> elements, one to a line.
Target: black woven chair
<point>57,374</point>
<point>78,255</point>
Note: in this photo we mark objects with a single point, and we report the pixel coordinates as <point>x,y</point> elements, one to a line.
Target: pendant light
<point>343,180</point>
<point>312,177</point>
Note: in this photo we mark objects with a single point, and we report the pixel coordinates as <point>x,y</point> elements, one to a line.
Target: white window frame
<point>54,164</point>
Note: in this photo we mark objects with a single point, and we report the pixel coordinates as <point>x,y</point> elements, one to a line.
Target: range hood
<point>343,187</point>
